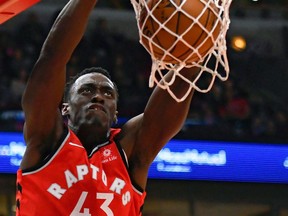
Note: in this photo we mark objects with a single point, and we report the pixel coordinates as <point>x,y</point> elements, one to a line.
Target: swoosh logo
<point>75,144</point>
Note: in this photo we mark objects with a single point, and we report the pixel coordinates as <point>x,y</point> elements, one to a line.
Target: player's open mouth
<point>97,107</point>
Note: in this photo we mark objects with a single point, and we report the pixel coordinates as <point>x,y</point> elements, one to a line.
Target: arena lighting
<point>10,8</point>
<point>238,43</point>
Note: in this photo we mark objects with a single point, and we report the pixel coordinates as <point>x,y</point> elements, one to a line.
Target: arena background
<point>251,107</point>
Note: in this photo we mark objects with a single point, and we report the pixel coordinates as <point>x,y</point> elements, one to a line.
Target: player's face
<point>93,101</point>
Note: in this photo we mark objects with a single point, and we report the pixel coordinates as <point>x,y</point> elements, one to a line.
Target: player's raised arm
<point>181,37</point>
<point>162,119</point>
<point>45,86</point>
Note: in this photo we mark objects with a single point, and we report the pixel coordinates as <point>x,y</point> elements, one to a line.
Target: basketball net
<point>214,63</point>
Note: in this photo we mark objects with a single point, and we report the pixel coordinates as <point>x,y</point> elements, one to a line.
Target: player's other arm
<point>43,94</point>
<point>162,119</point>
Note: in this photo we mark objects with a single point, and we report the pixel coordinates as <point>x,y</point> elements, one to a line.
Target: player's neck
<point>92,137</point>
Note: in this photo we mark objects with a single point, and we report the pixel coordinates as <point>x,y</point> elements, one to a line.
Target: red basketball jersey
<point>71,182</point>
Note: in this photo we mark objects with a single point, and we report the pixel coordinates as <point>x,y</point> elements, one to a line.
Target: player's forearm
<point>180,87</point>
<point>48,75</point>
<point>177,111</point>
<point>68,30</point>
<point>163,114</point>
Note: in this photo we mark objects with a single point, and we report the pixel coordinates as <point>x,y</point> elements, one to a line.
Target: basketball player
<point>87,167</point>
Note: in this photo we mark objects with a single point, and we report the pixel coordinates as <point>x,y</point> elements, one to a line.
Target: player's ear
<point>65,109</point>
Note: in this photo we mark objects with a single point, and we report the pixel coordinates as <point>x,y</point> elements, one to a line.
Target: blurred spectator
<point>281,124</point>
<point>228,111</point>
<point>101,37</point>
<point>236,110</point>
<point>5,45</point>
<point>30,35</point>
<point>18,85</point>
<point>4,93</point>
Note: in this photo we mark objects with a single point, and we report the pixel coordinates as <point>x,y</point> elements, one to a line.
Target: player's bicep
<point>141,144</point>
<point>43,95</point>
<point>141,141</point>
<point>40,142</point>
<point>40,103</point>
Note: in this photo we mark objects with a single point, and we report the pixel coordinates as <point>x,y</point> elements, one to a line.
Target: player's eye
<point>86,90</point>
<point>108,93</point>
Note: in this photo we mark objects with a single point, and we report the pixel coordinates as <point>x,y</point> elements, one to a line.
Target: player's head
<point>72,80</point>
<point>90,99</point>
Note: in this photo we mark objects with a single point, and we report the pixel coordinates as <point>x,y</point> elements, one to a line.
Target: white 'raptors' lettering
<point>126,197</point>
<point>95,171</point>
<point>81,171</point>
<point>56,190</point>
<point>104,178</point>
<point>117,185</point>
<point>70,178</point>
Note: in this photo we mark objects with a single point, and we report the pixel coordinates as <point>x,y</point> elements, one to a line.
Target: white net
<point>165,37</point>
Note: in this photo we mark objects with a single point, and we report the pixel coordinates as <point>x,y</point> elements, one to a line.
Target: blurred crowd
<point>230,111</point>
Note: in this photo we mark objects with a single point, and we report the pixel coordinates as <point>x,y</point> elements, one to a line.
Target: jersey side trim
<point>47,160</point>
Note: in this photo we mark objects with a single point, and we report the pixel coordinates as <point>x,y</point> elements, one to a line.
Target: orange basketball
<point>178,21</point>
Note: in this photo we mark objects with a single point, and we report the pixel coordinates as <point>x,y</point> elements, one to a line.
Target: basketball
<point>174,22</point>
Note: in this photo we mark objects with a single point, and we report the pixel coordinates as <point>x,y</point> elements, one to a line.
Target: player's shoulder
<point>131,127</point>
<point>128,134</point>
